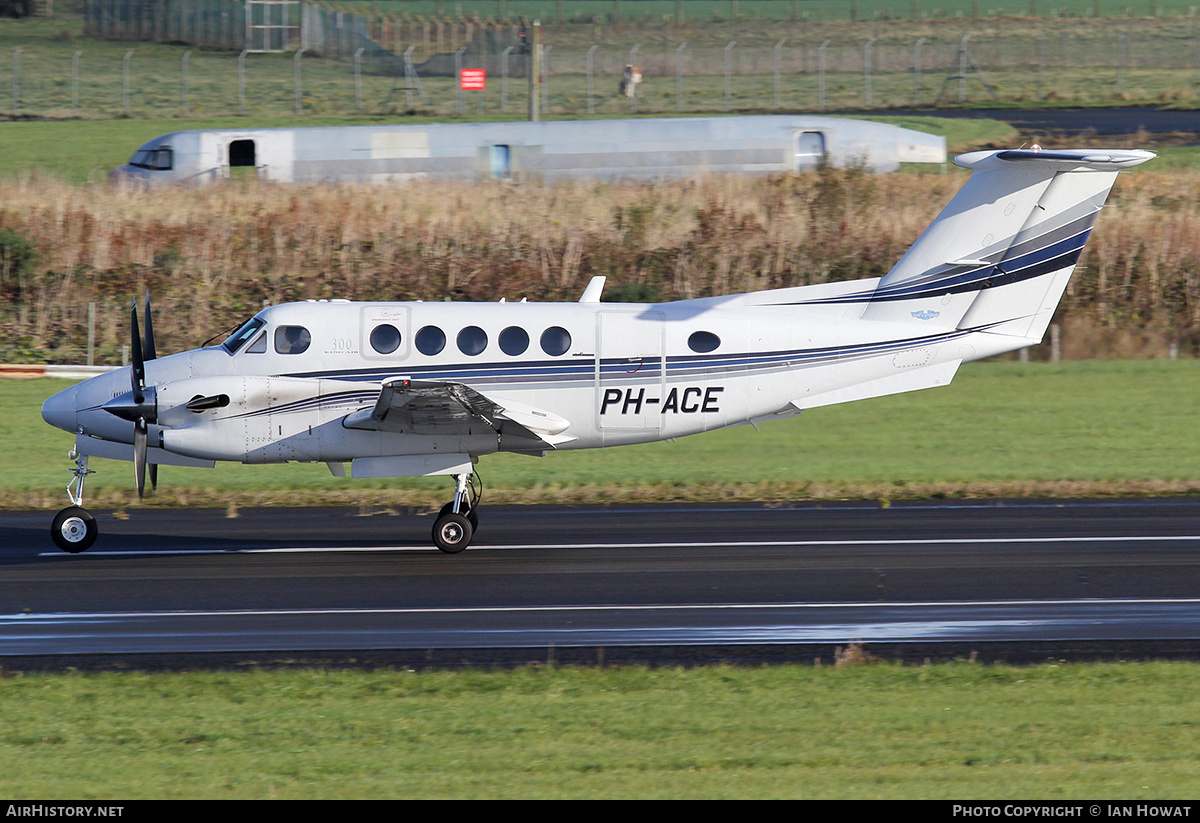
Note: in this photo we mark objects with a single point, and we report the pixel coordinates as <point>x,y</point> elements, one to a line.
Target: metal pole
<point>728,70</point>
<point>1041,54</point>
<point>821,76</point>
<point>125,80</point>
<point>962,69</point>
<point>917,72</point>
<point>16,83</point>
<point>778,87</point>
<point>590,65</point>
<point>867,71</point>
<point>1121,61</point>
<point>459,104</point>
<point>633,97</point>
<point>91,335</point>
<point>358,81</point>
<point>75,84</point>
<point>535,73</point>
<point>504,78</point>
<point>242,81</point>
<point>679,76</point>
<point>296,73</point>
<point>183,92</point>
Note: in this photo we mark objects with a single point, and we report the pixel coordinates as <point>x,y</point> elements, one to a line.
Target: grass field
<point>960,731</point>
<point>1001,429</point>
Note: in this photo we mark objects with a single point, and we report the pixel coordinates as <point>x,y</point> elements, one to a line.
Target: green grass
<point>1001,428</point>
<point>1054,732</point>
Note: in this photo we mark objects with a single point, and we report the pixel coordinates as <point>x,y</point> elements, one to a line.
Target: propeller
<point>140,404</point>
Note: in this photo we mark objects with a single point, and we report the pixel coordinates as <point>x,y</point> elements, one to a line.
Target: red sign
<point>472,79</point>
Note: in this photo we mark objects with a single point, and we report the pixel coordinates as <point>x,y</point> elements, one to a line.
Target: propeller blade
<point>153,477</point>
<point>148,352</point>
<point>139,363</point>
<point>140,431</point>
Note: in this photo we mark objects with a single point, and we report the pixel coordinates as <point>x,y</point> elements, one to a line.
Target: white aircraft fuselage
<point>423,388</point>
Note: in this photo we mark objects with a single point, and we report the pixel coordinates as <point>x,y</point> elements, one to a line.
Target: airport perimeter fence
<point>332,62</point>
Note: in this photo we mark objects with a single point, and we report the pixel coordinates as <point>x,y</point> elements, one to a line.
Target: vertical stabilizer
<point>1001,252</point>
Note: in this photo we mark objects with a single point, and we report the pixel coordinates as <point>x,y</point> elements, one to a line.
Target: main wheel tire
<point>471,515</point>
<point>74,530</point>
<point>452,533</point>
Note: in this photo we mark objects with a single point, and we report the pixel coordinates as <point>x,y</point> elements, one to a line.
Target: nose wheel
<point>458,520</point>
<point>74,529</point>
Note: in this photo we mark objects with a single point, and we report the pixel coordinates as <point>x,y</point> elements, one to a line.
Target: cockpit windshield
<point>238,339</point>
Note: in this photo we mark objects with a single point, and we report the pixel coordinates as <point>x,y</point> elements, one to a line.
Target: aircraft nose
<point>59,410</point>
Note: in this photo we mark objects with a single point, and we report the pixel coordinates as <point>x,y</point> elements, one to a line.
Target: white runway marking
<point>475,548</point>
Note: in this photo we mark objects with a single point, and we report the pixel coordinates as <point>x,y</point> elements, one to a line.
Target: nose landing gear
<point>74,529</point>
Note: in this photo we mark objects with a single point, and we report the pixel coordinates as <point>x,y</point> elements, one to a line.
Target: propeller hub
<point>135,405</point>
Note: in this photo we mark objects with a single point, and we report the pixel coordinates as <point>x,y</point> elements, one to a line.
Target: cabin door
<point>630,370</point>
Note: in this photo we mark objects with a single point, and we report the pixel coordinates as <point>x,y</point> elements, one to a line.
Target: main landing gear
<point>458,520</point>
<point>74,529</point>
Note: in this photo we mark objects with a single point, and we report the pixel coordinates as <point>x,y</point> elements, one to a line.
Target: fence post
<point>633,85</point>
<point>821,76</point>
<point>728,71</point>
<point>242,81</point>
<point>183,86</point>
<point>459,104</point>
<point>867,71</point>
<point>778,90</point>
<point>75,84</point>
<point>590,67</point>
<point>503,78</point>
<point>917,70</point>
<point>125,80</point>
<point>296,72</point>
<point>358,81</point>
<point>679,76</point>
<point>962,69</point>
<point>16,84</point>
<point>546,77</point>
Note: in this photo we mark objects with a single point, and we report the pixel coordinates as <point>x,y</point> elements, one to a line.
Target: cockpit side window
<point>259,345</point>
<point>292,340</point>
<point>238,339</point>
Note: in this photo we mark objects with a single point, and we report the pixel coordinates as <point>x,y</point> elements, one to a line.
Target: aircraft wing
<point>435,407</point>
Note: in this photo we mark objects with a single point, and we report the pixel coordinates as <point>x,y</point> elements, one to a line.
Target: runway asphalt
<point>1014,580</point>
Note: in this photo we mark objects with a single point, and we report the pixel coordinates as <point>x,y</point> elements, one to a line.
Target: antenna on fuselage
<point>592,293</point>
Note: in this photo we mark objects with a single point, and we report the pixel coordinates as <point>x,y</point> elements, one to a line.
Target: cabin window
<point>247,330</point>
<point>514,340</point>
<point>703,342</point>
<point>555,341</point>
<point>430,340</point>
<point>472,340</point>
<point>385,338</point>
<point>292,339</point>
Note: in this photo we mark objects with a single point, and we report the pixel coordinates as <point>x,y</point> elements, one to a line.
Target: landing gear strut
<point>458,520</point>
<point>74,529</point>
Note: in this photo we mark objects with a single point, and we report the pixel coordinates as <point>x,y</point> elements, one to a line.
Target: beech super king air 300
<point>410,389</point>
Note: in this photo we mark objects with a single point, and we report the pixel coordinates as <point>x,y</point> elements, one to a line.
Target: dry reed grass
<point>212,256</point>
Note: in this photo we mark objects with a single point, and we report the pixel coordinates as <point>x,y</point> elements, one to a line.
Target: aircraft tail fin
<point>999,255</point>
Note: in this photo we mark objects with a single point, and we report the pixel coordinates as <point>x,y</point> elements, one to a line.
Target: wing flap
<point>407,406</point>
